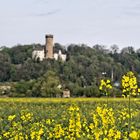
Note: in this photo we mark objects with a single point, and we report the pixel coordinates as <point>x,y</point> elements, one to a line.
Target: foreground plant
<point>129,88</point>
<point>77,120</point>
<point>105,87</point>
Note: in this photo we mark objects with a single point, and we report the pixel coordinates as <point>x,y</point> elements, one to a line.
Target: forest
<point>81,73</point>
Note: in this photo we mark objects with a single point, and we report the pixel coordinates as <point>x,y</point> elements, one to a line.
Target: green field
<point>74,118</point>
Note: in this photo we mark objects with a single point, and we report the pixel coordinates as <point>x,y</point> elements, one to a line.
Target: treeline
<point>81,73</point>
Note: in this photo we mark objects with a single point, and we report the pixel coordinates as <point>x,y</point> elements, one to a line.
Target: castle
<point>46,52</point>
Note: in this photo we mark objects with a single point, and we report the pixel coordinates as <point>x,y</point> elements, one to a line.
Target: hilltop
<point>80,73</point>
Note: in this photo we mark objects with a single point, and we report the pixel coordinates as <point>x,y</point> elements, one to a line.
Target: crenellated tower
<point>48,50</point>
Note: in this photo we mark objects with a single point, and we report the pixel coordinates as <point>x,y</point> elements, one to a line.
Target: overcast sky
<point>91,22</point>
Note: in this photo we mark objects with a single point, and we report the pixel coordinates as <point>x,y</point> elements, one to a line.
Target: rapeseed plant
<point>105,87</point>
<point>91,119</point>
<point>129,84</point>
<point>11,117</point>
<point>129,88</point>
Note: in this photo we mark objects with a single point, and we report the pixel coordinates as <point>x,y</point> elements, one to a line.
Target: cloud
<point>48,13</point>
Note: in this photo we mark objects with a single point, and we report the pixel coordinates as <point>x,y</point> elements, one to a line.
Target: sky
<point>104,22</point>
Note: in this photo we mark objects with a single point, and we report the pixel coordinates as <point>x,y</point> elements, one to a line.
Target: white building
<point>39,53</point>
<point>59,55</point>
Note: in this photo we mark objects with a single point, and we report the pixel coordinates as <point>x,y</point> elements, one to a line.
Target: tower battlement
<point>49,36</point>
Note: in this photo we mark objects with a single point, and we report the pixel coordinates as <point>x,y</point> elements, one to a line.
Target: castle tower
<point>48,50</point>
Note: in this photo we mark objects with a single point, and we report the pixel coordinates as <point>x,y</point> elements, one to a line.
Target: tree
<point>47,85</point>
<point>114,49</point>
<point>19,53</point>
<point>5,66</point>
<point>129,50</point>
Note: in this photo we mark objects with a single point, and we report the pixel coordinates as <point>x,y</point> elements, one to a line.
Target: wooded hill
<point>81,73</point>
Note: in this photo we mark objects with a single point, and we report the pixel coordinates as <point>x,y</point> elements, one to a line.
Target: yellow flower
<point>6,134</point>
<point>100,88</point>
<point>26,117</point>
<point>11,117</point>
<point>40,132</point>
<point>129,84</point>
<point>105,139</point>
<point>33,133</point>
<point>118,135</point>
<point>105,86</point>
<point>108,81</point>
<point>48,121</point>
<point>134,135</point>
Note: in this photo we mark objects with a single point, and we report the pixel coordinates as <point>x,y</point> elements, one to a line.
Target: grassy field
<point>74,118</point>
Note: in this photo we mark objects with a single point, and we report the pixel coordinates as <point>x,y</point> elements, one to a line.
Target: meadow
<point>70,119</point>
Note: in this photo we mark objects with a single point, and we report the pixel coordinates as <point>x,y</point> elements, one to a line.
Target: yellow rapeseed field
<point>68,119</point>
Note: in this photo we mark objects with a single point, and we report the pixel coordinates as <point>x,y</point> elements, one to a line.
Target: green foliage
<point>4,67</point>
<point>19,53</point>
<point>80,73</point>
<point>22,88</point>
<point>47,85</point>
